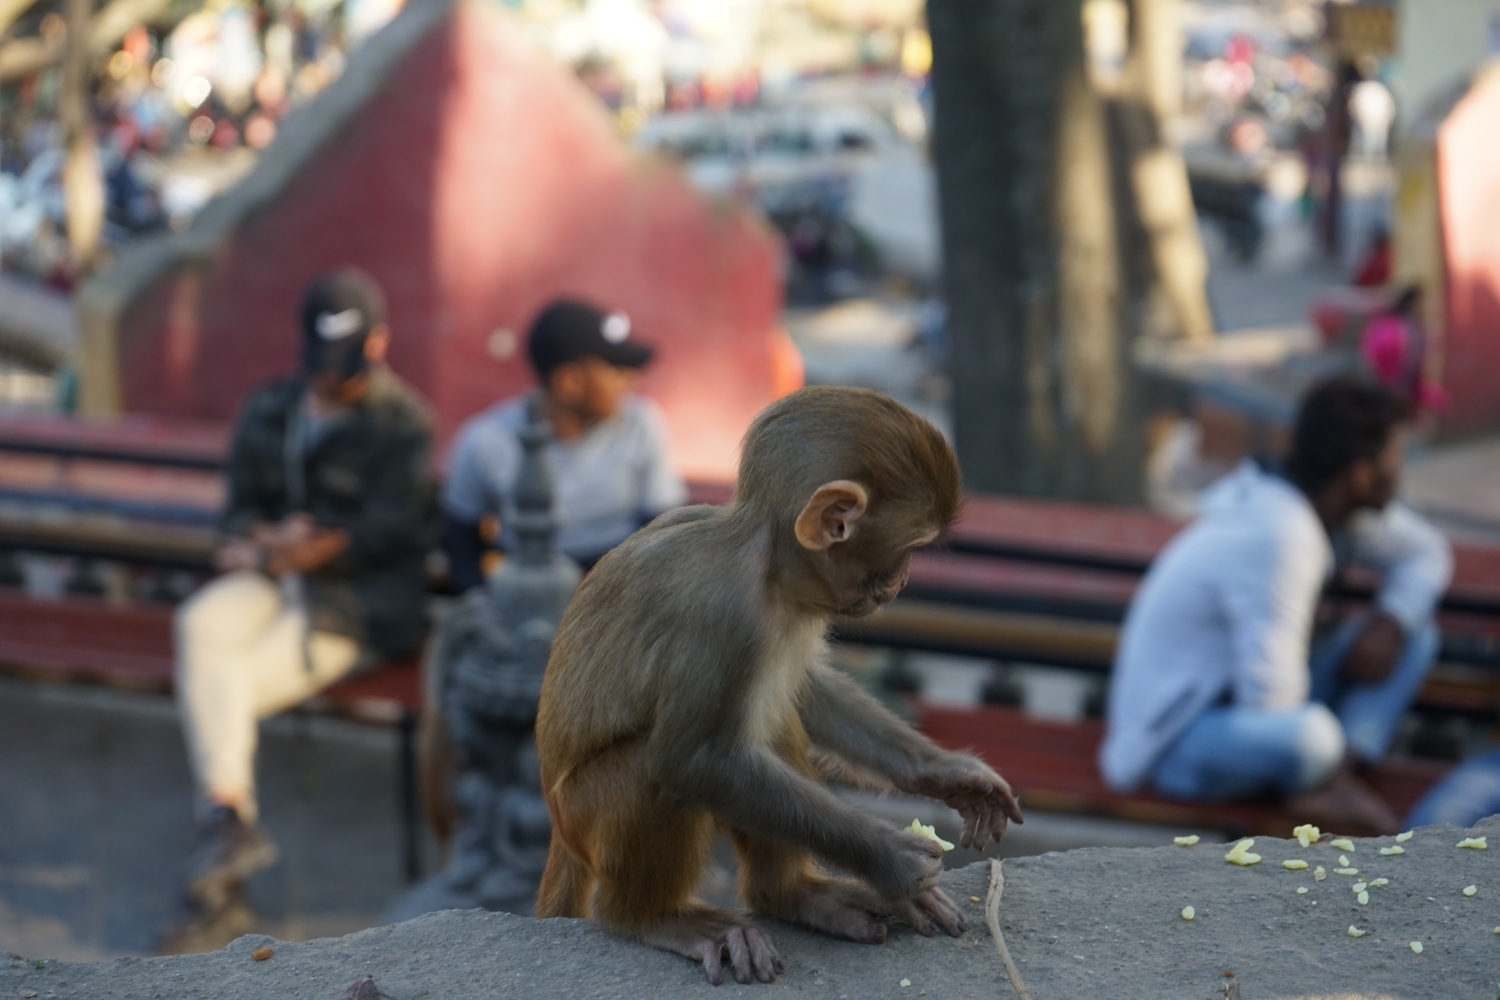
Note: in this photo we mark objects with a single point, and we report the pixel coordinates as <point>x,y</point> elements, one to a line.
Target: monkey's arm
<point>705,760</point>
<point>839,716</point>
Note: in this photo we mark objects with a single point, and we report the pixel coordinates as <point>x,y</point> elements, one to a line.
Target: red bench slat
<point>1052,765</point>
<point>87,639</point>
<point>84,638</point>
<point>143,438</point>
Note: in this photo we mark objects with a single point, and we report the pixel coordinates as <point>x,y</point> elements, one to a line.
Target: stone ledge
<point>1091,923</point>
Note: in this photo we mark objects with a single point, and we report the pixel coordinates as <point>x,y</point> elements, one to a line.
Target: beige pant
<point>243,653</point>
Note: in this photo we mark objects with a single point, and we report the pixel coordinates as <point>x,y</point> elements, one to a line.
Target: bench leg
<point>406,781</point>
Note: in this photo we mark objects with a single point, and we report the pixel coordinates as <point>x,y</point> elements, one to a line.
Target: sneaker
<point>1347,805</point>
<point>201,926</point>
<point>229,851</point>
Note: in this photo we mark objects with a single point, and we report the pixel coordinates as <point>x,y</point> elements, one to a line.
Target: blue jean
<point>1230,751</point>
<point>1465,797</point>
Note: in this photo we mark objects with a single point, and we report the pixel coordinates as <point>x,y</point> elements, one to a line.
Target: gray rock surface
<point>1092,923</point>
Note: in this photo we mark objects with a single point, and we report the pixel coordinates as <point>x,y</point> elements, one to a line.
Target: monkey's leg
<point>780,880</point>
<point>592,806</point>
<point>576,804</point>
<point>777,880</point>
<point>648,865</point>
<point>648,853</point>
<point>611,829</point>
<point>566,883</point>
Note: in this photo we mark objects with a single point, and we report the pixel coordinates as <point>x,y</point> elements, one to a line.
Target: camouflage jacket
<point>369,474</point>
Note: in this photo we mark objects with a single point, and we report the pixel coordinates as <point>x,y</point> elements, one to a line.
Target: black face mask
<point>344,358</point>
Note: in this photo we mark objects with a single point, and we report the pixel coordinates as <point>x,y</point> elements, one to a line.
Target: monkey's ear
<point>829,516</point>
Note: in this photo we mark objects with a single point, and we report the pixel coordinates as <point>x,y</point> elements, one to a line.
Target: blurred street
<point>96,806</point>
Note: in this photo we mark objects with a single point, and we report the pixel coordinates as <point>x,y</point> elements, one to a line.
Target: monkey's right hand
<point>912,867</point>
<point>982,798</point>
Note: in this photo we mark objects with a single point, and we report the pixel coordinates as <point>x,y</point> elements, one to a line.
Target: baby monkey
<point>690,682</point>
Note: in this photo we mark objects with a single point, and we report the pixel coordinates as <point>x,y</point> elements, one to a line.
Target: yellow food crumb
<point>1402,838</point>
<point>1295,864</point>
<point>1393,849</point>
<point>1355,931</point>
<point>1188,913</point>
<point>1346,871</point>
<point>1319,873</point>
<point>1343,861</point>
<point>905,983</point>
<point>1470,890</point>
<point>1302,890</point>
<point>1477,843</point>
<point>1363,897</point>
<point>930,833</point>
<point>1187,841</point>
<point>1343,844</point>
<point>973,899</point>
<point>1307,834</point>
<point>1240,853</point>
<point>1416,947</point>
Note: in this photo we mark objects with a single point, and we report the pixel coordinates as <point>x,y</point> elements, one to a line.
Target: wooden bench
<point>1018,580</point>
<point>1049,583</point>
<point>1052,766</point>
<point>83,639</point>
<point>1052,763</point>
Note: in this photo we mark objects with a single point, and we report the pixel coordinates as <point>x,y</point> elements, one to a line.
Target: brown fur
<point>689,685</point>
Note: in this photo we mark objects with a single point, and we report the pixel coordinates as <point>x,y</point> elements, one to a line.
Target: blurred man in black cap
<point>324,542</point>
<point>609,454</point>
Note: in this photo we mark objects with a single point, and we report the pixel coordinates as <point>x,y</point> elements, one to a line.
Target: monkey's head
<point>852,483</point>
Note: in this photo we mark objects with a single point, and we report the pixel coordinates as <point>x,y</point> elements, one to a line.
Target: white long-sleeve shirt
<point>1228,607</point>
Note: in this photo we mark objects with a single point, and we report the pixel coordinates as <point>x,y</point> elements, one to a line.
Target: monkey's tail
<point>565,883</point>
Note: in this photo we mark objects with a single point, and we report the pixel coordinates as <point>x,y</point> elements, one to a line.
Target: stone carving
<point>488,660</point>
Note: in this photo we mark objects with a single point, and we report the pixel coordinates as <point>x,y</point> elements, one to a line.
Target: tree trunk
<point>83,187</point>
<point>1159,182</point>
<point>1046,400</point>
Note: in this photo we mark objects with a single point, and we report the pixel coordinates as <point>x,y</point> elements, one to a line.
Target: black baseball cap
<point>339,309</point>
<point>568,330</point>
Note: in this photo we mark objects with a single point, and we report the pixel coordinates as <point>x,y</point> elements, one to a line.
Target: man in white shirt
<point>610,464</point>
<point>1219,690</point>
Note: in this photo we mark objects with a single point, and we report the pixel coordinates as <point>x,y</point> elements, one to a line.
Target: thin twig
<point>992,918</point>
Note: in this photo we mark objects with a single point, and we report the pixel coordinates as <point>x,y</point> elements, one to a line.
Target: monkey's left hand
<point>981,796</point>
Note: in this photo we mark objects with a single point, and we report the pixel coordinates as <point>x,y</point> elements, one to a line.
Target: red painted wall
<point>1469,192</point>
<point>482,182</point>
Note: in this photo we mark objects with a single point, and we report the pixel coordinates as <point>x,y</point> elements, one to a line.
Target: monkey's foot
<point>854,912</point>
<point>928,911</point>
<point>712,939</point>
<point>840,908</point>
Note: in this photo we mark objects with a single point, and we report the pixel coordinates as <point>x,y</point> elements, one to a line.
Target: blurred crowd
<point>176,106</point>
<point>184,101</point>
<point>1276,119</point>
